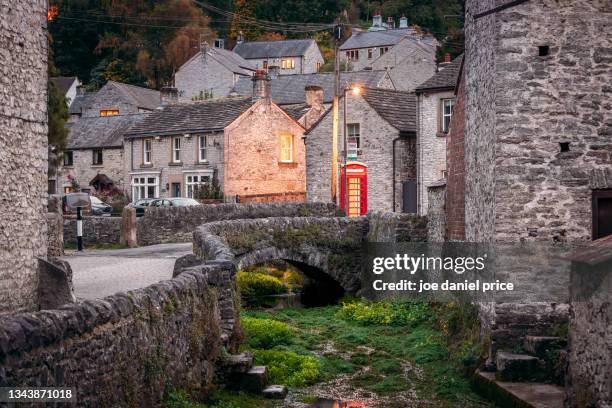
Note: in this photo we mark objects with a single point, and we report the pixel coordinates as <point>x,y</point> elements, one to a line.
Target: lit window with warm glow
<point>286,148</point>
<point>288,63</point>
<point>109,112</point>
<point>52,12</point>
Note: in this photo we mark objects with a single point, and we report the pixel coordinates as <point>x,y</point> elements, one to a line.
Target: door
<point>409,197</point>
<point>357,180</point>
<point>176,189</point>
<point>602,213</point>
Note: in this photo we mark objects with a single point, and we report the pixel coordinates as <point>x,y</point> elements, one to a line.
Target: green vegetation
<point>289,368</point>
<point>220,399</point>
<point>385,313</point>
<point>266,334</point>
<point>253,285</point>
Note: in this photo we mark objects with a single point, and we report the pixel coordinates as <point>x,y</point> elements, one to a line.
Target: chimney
<point>390,23</point>
<point>80,90</point>
<point>314,95</point>
<point>447,58</point>
<point>261,85</point>
<point>168,95</point>
<point>403,22</point>
<point>273,71</point>
<point>240,38</point>
<point>377,20</point>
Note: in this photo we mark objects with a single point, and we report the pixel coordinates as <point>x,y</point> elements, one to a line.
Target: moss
<point>305,212</point>
<point>244,241</point>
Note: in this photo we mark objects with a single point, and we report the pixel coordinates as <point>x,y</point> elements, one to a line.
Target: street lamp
<point>356,91</point>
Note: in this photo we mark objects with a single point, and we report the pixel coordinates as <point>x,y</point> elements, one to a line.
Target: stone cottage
<point>289,56</point>
<point>289,90</point>
<point>23,146</point>
<point>211,73</point>
<point>68,86</point>
<point>94,149</point>
<point>435,100</point>
<point>381,140</point>
<point>538,114</point>
<point>249,144</point>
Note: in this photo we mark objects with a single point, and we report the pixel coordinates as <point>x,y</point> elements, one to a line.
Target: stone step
<point>237,363</point>
<point>255,380</point>
<point>539,346</point>
<point>275,392</point>
<point>518,394</point>
<point>515,367</point>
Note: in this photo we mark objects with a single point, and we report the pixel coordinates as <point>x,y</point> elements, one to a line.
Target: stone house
<point>249,144</point>
<point>68,86</point>
<point>114,98</point>
<point>211,73</point>
<point>94,149</point>
<point>365,49</point>
<point>435,101</point>
<point>289,90</point>
<point>381,130</point>
<point>289,56</point>
<point>538,151</point>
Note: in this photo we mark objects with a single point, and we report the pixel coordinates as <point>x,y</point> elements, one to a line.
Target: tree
<point>57,114</point>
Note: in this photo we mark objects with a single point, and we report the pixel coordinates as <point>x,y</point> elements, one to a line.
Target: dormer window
<point>109,112</point>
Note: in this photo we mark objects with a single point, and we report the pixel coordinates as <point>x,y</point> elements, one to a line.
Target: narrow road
<point>100,273</point>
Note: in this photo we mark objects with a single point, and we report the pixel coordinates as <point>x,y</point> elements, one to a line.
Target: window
<point>543,50</point>
<point>68,159</point>
<point>176,150</point>
<point>265,65</point>
<point>194,181</point>
<point>202,148</point>
<point>353,140</point>
<point>383,50</point>
<point>109,112</point>
<point>370,53</point>
<point>447,112</point>
<point>352,55</point>
<point>318,66</point>
<point>219,43</point>
<point>564,147</point>
<point>144,187</point>
<point>97,159</point>
<point>286,148</point>
<point>147,151</point>
<point>288,63</point>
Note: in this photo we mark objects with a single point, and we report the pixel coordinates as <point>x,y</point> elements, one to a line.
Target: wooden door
<point>602,213</point>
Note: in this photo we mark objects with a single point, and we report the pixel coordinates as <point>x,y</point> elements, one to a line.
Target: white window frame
<point>288,149</point>
<point>147,154</point>
<point>141,183</point>
<point>94,157</point>
<point>350,132</point>
<point>443,115</point>
<point>288,63</point>
<point>70,154</point>
<point>176,149</point>
<point>202,148</point>
<point>352,55</point>
<point>195,179</point>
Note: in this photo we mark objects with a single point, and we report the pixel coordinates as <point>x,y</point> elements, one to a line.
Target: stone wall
<point>436,214</point>
<point>538,125</point>
<point>455,162</point>
<point>96,230</point>
<point>126,349</point>
<point>23,151</point>
<point>394,227</point>
<point>163,225</point>
<point>55,234</point>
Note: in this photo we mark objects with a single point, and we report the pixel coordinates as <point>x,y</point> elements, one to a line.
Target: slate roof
<point>64,83</point>
<point>289,89</point>
<point>296,111</point>
<point>443,79</point>
<point>143,97</point>
<point>229,59</point>
<point>273,49</point>
<point>80,102</point>
<point>398,108</point>
<point>101,132</point>
<point>202,116</point>
<point>368,39</point>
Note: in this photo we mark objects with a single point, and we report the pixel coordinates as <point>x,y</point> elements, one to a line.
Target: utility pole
<point>335,114</point>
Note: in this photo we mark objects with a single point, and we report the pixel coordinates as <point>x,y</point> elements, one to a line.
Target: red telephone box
<point>357,179</point>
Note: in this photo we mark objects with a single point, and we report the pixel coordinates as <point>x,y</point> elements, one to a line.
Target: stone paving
<point>100,273</point>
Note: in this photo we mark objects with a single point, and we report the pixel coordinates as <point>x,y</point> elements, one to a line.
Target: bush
<point>288,368</point>
<point>258,284</point>
<point>265,334</point>
<point>385,313</point>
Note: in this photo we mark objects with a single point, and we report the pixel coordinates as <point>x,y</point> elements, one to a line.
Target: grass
<point>220,399</point>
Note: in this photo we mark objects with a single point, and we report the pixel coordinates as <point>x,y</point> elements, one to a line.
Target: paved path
<point>100,273</point>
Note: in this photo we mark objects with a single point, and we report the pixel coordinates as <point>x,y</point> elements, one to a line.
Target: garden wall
<point>96,230</point>
<point>124,350</point>
<point>165,225</point>
<point>396,227</point>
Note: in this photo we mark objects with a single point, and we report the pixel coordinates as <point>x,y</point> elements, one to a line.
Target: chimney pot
<point>261,85</point>
<point>403,22</point>
<point>80,90</point>
<point>377,20</point>
<point>390,22</point>
<point>447,57</point>
<point>273,71</point>
<point>314,95</point>
<point>169,95</point>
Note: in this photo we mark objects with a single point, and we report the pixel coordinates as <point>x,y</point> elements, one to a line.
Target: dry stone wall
<point>23,150</point>
<point>96,230</point>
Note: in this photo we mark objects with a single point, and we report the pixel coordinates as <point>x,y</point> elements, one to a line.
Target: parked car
<point>99,207</point>
<point>174,202</point>
<point>141,205</point>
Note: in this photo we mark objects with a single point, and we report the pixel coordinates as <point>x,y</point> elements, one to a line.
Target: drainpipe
<point>394,140</point>
<point>419,155</point>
